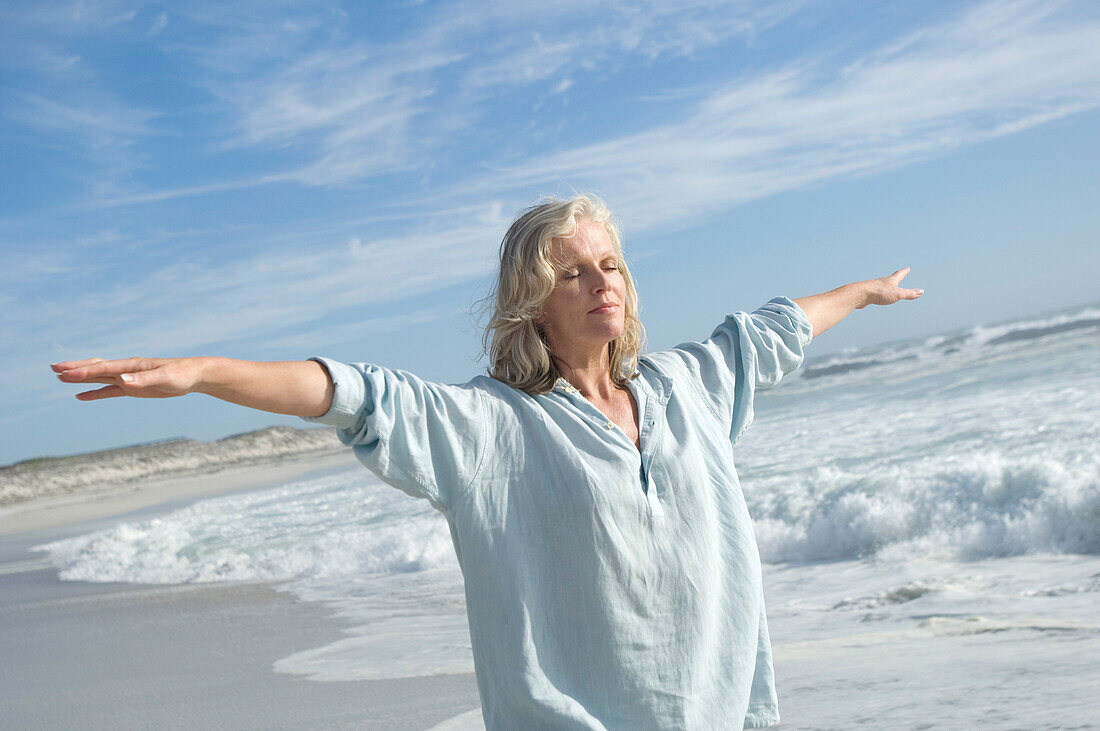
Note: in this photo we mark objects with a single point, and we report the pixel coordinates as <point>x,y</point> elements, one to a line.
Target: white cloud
<point>98,122</point>
<point>1000,68</point>
<point>298,82</point>
<point>357,109</point>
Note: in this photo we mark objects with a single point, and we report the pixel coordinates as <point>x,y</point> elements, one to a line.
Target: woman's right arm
<point>428,439</point>
<point>298,388</point>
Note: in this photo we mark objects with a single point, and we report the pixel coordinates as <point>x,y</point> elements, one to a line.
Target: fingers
<point>115,374</point>
<point>68,365</point>
<point>96,368</point>
<point>141,379</point>
<point>900,274</point>
<point>138,377</point>
<point>905,294</point>
<point>100,393</point>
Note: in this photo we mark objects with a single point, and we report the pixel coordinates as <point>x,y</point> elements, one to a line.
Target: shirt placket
<point>647,435</point>
<point>651,416</point>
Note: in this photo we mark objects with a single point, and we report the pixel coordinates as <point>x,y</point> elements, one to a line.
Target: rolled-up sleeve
<point>427,439</point>
<point>747,351</point>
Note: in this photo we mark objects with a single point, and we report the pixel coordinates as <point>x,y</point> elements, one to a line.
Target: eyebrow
<point>609,254</point>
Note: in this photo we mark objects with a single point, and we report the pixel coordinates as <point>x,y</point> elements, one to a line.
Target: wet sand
<point>76,655</point>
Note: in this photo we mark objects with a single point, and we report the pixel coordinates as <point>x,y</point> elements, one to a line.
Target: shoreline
<point>116,499</point>
<point>92,655</point>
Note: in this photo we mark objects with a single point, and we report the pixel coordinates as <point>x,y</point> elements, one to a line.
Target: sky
<point>276,180</point>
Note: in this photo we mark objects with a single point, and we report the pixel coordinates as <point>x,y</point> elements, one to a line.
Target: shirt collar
<point>657,385</point>
<point>563,385</point>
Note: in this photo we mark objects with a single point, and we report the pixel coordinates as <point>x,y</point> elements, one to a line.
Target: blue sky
<point>276,180</point>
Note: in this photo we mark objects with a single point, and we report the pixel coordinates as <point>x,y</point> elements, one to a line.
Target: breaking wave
<point>971,339</point>
<point>967,507</point>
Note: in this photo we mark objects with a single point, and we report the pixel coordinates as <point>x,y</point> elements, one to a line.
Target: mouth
<point>608,307</point>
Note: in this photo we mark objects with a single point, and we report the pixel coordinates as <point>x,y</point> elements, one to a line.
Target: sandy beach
<point>76,655</point>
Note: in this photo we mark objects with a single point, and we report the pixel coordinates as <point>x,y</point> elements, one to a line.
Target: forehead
<point>591,241</point>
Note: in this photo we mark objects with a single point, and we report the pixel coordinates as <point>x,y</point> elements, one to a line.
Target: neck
<point>589,373</point>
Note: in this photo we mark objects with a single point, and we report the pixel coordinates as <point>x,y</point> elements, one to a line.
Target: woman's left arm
<point>828,308</point>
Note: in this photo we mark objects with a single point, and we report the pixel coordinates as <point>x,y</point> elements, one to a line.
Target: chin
<point>608,334</point>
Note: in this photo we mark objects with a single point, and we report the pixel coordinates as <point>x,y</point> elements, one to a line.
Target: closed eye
<point>574,274</point>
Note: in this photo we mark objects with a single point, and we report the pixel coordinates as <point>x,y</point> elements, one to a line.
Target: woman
<point>612,575</point>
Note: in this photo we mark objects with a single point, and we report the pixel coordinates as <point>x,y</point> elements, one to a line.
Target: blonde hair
<point>519,353</point>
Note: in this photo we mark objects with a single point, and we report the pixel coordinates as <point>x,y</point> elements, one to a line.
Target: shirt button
<point>610,425</point>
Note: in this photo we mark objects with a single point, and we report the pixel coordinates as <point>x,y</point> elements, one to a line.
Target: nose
<point>603,281</point>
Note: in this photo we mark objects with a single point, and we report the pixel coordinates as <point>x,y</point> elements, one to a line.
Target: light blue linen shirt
<point>606,588</point>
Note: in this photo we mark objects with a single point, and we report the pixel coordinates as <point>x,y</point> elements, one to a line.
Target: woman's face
<point>588,277</point>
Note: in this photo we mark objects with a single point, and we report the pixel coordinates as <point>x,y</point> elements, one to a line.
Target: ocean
<point>927,511</point>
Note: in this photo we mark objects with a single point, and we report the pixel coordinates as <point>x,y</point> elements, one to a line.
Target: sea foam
<point>347,524</point>
<point>978,505</point>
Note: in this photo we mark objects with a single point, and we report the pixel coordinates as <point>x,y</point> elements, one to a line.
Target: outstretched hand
<point>138,377</point>
<point>887,290</point>
<point>828,308</point>
<point>298,388</point>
